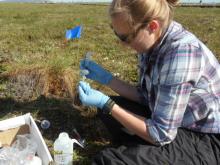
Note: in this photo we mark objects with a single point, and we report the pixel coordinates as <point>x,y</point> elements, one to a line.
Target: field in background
<point>39,70</point>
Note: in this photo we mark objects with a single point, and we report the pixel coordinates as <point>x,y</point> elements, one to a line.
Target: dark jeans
<point>188,148</point>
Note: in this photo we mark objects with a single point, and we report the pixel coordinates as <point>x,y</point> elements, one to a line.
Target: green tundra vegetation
<point>39,69</point>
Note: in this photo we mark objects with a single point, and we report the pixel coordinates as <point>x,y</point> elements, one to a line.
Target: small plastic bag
<point>21,152</point>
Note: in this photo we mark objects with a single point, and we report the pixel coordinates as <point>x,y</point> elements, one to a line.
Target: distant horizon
<point>107,1</point>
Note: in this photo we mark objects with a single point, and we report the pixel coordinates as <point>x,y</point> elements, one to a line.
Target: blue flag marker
<point>74,33</point>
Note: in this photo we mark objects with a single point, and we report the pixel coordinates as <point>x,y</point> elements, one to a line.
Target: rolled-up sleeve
<point>168,112</point>
<point>177,77</point>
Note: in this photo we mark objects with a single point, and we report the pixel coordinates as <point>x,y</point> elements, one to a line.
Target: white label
<point>63,159</point>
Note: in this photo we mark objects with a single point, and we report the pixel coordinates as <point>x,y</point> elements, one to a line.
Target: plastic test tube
<point>85,72</point>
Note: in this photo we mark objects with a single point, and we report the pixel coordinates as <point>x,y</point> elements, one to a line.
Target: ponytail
<point>173,3</point>
<point>142,11</point>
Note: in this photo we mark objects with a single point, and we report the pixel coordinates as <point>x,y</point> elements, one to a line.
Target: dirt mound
<point>29,84</point>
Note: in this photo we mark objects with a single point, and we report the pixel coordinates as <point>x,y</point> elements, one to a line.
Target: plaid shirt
<point>180,82</point>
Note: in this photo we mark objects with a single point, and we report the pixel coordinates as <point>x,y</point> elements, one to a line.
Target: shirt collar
<point>154,52</point>
<point>165,37</point>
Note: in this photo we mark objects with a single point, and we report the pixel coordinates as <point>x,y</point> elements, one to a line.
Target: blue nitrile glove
<point>91,97</point>
<point>96,72</point>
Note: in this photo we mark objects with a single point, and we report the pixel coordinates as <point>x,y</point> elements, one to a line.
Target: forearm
<point>124,89</point>
<point>132,122</point>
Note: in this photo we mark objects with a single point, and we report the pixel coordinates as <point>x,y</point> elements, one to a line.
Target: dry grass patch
<point>29,84</point>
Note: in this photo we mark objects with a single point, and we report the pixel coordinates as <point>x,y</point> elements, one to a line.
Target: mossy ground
<point>39,70</point>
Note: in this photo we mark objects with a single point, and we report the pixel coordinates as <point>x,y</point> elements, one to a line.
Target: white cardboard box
<point>9,128</point>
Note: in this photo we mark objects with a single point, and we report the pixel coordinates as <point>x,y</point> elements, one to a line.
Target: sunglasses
<point>127,38</point>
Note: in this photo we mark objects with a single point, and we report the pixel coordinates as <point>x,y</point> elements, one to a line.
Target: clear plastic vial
<point>84,72</point>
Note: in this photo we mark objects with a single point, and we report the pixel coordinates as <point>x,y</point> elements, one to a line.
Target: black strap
<point>107,108</point>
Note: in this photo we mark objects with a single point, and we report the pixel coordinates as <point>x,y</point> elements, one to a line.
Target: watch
<point>107,108</point>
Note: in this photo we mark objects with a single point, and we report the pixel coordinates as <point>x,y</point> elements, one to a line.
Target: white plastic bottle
<point>63,149</point>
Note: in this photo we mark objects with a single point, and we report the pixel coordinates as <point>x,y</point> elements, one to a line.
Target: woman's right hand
<point>96,72</point>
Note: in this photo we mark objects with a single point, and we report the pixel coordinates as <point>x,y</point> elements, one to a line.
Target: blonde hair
<point>139,12</point>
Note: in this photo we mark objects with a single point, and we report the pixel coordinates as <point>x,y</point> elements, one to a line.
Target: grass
<point>39,70</point>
